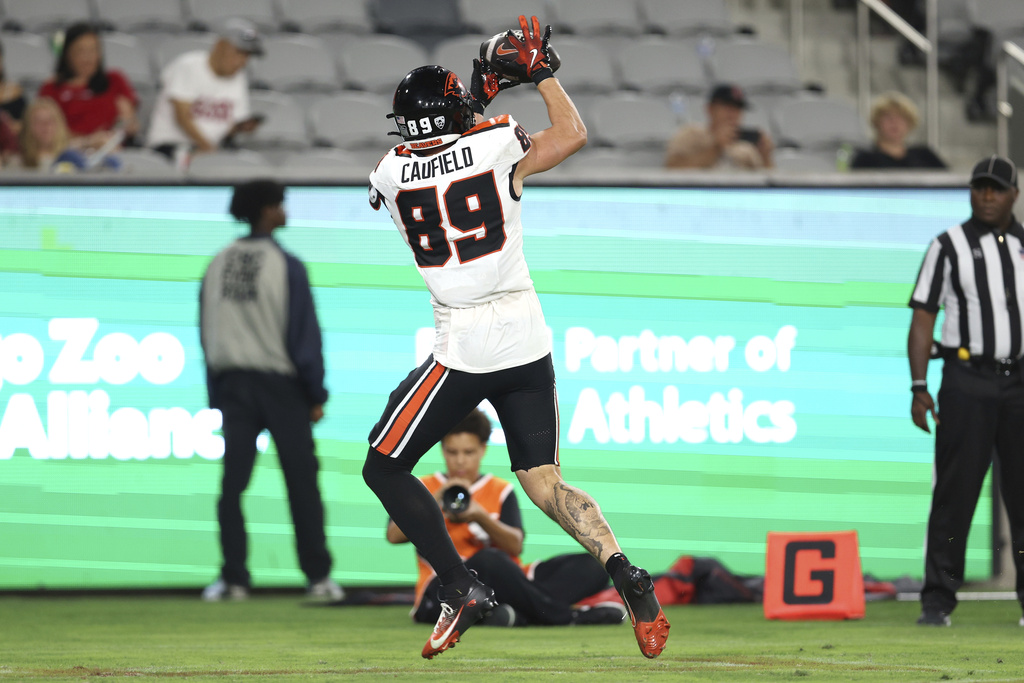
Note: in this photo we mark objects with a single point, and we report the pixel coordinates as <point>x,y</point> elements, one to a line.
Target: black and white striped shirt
<point>977,275</point>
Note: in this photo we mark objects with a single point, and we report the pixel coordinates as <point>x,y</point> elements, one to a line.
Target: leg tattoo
<point>578,513</point>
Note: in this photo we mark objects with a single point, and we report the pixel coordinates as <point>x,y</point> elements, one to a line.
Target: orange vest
<point>469,539</point>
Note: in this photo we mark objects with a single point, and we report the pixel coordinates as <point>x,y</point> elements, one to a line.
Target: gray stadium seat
<point>329,163</point>
<point>595,17</point>
<point>586,66</point>
<point>293,63</point>
<point>529,111</point>
<point>146,162</point>
<point>353,121</point>
<point>378,63</point>
<point>225,165</point>
<point>817,123</point>
<point>284,126</point>
<point>632,122</point>
<point>173,46</point>
<point>27,59</point>
<point>124,52</point>
<point>491,16</point>
<point>604,159</point>
<point>1002,18</point>
<point>321,16</point>
<point>425,22</point>
<point>140,15</point>
<point>686,18</point>
<point>802,161</point>
<point>457,54</point>
<point>43,16</point>
<point>754,66</point>
<point>658,65</point>
<point>207,14</point>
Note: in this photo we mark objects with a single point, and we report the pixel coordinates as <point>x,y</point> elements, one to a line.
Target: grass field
<point>277,638</point>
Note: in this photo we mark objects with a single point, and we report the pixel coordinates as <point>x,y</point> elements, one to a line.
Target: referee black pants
<point>978,411</point>
<point>547,599</point>
<point>251,402</point>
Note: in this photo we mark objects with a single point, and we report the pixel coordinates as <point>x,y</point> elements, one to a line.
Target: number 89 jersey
<point>458,212</point>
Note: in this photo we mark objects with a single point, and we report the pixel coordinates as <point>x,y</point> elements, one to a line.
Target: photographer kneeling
<point>483,519</point>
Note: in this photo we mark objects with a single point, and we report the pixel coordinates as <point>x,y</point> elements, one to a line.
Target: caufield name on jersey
<point>439,164</point>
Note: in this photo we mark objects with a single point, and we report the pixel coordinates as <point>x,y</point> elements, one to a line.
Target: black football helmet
<point>431,107</point>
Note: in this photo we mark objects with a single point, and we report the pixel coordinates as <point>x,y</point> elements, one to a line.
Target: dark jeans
<point>251,402</point>
<point>978,411</point>
<point>557,585</point>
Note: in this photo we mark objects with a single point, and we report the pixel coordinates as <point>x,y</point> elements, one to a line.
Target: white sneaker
<point>1021,622</point>
<point>325,590</point>
<point>219,590</point>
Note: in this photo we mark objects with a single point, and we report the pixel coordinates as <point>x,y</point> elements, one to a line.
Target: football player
<point>453,189</point>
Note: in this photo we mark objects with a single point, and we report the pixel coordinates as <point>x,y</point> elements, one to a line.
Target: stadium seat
<point>996,15</point>
<point>43,16</point>
<point>169,49</point>
<point>586,66</point>
<point>754,66</point>
<point>146,162</point>
<point>207,14</point>
<point>131,16</point>
<point>284,125</point>
<point>321,16</point>
<point>529,111</point>
<point>27,59</point>
<point>791,160</point>
<point>295,62</point>
<point>491,16</point>
<point>604,159</point>
<point>424,22</point>
<point>631,121</point>
<point>594,17</point>
<point>457,54</point>
<point>124,52</point>
<point>352,121</point>
<point>229,165</point>
<point>817,123</point>
<point>329,163</point>
<point>694,17</point>
<point>657,65</point>
<point>378,63</point>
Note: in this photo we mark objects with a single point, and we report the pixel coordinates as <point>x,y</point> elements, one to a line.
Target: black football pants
<point>977,411</point>
<point>251,402</point>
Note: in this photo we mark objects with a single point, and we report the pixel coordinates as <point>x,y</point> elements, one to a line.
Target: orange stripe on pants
<point>405,418</point>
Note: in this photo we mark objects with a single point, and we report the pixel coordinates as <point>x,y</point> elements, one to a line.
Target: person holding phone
<point>204,96</point>
<point>723,141</point>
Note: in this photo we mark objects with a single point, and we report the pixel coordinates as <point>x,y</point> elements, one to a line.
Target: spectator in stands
<point>45,142</point>
<point>98,103</point>
<point>12,99</point>
<point>204,97</point>
<point>488,533</point>
<point>894,116</point>
<point>723,142</point>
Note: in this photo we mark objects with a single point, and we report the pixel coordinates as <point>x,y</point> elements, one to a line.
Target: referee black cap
<point>997,168</point>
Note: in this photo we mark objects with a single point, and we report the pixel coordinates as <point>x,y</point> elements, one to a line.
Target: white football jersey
<point>458,212</point>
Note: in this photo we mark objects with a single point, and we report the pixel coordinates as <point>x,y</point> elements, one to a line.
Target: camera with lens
<point>455,499</point>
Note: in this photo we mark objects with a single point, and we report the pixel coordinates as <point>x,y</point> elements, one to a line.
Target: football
<point>498,52</point>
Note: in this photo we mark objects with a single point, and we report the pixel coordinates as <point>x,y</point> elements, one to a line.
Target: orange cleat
<point>648,619</point>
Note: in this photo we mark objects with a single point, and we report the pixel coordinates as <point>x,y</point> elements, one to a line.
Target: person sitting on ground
<point>894,116</point>
<point>98,103</point>
<point>488,535</point>
<point>723,142</point>
<point>204,98</point>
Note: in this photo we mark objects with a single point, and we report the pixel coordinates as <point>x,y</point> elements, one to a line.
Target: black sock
<point>457,579</point>
<point>615,564</point>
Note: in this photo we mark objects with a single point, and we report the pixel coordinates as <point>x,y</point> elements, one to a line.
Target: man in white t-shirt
<point>204,96</point>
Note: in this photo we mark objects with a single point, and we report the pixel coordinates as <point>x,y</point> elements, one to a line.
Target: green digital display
<point>730,361</point>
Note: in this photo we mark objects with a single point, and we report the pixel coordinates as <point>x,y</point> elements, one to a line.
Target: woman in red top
<point>95,101</point>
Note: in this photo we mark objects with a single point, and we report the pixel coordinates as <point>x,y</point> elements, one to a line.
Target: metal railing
<point>1003,106</point>
<point>928,45</point>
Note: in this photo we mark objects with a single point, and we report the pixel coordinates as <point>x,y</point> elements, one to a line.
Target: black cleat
<point>458,613</point>
<point>649,623</point>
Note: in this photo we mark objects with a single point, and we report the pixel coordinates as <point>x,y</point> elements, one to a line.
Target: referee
<point>975,271</point>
